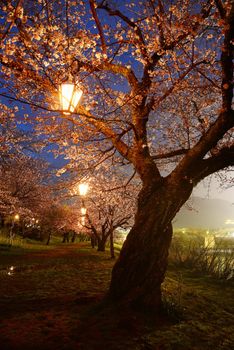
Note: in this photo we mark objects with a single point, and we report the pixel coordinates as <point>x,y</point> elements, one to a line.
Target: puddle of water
<point>12,270</point>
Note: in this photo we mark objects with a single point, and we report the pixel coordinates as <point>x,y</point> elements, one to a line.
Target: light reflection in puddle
<point>13,270</point>
<point>10,270</point>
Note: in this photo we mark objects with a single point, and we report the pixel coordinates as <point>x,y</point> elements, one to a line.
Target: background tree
<point>22,187</point>
<point>109,204</point>
<point>58,219</point>
<point>158,89</point>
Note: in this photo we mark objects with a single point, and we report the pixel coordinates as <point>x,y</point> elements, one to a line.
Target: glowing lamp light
<point>83,189</point>
<point>70,96</point>
<point>229,222</point>
<point>16,217</point>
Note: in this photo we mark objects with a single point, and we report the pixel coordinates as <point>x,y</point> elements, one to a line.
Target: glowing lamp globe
<point>83,189</point>
<point>70,96</point>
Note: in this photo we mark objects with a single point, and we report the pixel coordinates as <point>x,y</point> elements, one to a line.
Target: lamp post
<point>70,95</point>
<point>83,213</point>
<point>83,189</point>
<point>11,234</point>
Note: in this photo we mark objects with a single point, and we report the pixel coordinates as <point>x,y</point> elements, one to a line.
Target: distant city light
<point>229,222</point>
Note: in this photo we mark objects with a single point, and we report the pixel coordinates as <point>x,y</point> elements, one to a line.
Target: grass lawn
<point>53,299</point>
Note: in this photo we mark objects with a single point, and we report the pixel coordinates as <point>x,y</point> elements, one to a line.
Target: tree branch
<point>102,126</point>
<point>225,120</point>
<point>16,14</point>
<point>98,24</point>
<point>171,154</point>
<point>114,68</point>
<point>131,24</point>
<point>220,8</point>
<point>226,61</point>
<point>219,161</point>
<point>181,77</point>
<point>155,57</point>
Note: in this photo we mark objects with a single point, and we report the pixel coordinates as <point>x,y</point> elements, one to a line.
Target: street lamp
<point>11,233</point>
<point>16,217</point>
<point>83,189</point>
<point>70,95</point>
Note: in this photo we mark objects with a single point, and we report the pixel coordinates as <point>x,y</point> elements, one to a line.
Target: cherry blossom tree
<point>157,81</point>
<point>27,187</point>
<point>108,205</point>
<point>58,219</point>
<point>22,190</point>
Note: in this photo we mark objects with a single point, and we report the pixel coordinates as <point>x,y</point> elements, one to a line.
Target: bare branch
<point>226,61</point>
<point>131,24</point>
<point>178,81</point>
<point>98,24</point>
<point>220,8</point>
<point>219,161</point>
<point>11,24</point>
<point>171,154</point>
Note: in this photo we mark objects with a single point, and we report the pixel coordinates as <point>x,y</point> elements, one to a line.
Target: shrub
<point>188,251</point>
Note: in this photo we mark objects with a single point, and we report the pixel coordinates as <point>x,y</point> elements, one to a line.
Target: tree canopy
<point>156,76</point>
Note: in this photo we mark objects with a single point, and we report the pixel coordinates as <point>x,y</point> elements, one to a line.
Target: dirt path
<point>45,299</point>
<point>53,300</point>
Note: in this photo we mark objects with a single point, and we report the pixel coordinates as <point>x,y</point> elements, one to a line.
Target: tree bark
<point>65,237</point>
<point>102,244</point>
<point>112,250</point>
<point>73,237</point>
<point>93,240</point>
<point>140,269</point>
<point>48,238</point>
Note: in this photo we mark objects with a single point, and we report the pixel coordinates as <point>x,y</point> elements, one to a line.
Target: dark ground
<point>54,299</point>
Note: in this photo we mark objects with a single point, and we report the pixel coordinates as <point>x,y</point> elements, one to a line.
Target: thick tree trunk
<point>112,250</point>
<point>48,238</point>
<point>101,244</point>
<point>65,237</point>
<point>93,241</point>
<point>140,269</point>
<point>73,237</point>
